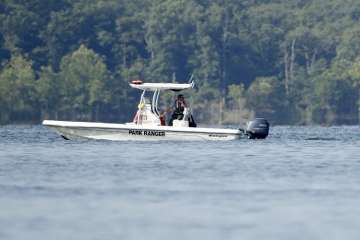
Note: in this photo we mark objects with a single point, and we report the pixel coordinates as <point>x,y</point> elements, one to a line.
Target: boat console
<point>148,113</point>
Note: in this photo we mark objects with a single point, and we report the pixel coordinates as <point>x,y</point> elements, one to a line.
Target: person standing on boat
<point>180,105</point>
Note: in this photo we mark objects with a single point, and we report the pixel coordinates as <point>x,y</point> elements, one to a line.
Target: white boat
<point>149,125</point>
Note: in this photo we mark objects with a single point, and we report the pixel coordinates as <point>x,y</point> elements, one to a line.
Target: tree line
<point>290,61</point>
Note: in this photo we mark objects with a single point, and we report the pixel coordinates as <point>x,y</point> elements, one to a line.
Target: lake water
<point>300,183</point>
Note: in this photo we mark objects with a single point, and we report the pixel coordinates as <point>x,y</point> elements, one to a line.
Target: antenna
<point>191,80</point>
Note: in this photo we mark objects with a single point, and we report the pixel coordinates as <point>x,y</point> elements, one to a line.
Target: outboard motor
<point>257,129</point>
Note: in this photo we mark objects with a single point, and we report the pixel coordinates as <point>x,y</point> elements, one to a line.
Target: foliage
<point>17,90</point>
<point>291,61</point>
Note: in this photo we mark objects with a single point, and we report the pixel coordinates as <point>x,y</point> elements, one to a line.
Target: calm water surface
<point>300,183</point>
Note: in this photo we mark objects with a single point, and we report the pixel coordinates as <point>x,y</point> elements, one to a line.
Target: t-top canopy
<point>162,86</point>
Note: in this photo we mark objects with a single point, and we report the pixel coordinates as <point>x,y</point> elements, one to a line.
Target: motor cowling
<point>257,128</point>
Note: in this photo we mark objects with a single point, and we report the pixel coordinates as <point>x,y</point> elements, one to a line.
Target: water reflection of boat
<point>149,125</point>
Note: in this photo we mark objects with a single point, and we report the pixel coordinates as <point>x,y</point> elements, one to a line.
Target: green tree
<point>336,97</point>
<point>83,76</point>
<point>18,95</point>
<point>237,111</point>
<point>49,93</point>
<point>266,97</point>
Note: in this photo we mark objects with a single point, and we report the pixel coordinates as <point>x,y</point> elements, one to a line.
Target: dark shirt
<point>180,106</point>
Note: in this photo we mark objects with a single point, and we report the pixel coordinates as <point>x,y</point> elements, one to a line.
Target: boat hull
<point>132,132</point>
